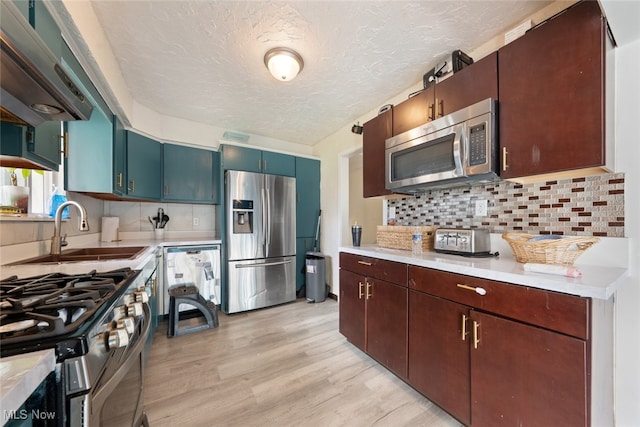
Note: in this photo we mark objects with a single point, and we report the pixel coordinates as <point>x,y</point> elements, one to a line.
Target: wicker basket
<point>563,251</point>
<point>399,237</point>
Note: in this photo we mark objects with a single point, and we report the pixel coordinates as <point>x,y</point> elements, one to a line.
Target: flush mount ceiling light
<point>283,63</point>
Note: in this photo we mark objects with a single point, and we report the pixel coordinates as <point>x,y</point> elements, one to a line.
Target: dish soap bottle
<point>57,198</point>
<point>416,241</point>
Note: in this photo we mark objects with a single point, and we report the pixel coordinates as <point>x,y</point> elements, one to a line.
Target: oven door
<point>433,157</point>
<point>117,398</point>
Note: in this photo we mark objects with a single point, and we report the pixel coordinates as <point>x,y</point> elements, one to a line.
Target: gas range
<point>98,324</point>
<point>44,311</point>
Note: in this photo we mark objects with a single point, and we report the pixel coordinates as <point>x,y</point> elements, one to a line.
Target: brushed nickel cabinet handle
<point>360,292</point>
<point>119,181</point>
<point>65,144</point>
<point>504,159</point>
<point>132,187</point>
<point>478,290</point>
<point>369,291</point>
<point>364,263</point>
<point>166,189</point>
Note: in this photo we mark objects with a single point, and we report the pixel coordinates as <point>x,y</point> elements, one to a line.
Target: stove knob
<point>117,338</point>
<point>128,324</point>
<point>135,309</point>
<point>141,296</point>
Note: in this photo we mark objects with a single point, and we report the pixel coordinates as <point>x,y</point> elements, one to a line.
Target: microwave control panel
<point>478,145</point>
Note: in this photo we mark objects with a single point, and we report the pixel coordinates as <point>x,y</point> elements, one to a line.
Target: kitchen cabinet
<point>252,160</point>
<point>46,27</point>
<point>373,309</point>
<point>505,356</point>
<point>307,211</point>
<point>31,148</point>
<point>552,95</point>
<point>89,143</point>
<point>119,177</point>
<point>144,173</point>
<point>472,84</point>
<point>375,133</point>
<point>189,174</point>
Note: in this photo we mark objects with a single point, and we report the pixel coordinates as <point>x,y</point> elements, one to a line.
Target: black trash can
<point>315,277</point>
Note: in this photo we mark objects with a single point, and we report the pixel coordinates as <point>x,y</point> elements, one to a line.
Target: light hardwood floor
<point>282,366</point>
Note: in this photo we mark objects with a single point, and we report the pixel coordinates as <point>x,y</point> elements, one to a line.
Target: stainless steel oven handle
<point>264,264</point>
<point>100,396</point>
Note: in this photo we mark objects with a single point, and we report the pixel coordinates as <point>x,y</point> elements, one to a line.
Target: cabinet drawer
<point>567,314</point>
<point>389,271</point>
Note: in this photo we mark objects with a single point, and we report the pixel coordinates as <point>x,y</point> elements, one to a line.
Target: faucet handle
<point>63,241</point>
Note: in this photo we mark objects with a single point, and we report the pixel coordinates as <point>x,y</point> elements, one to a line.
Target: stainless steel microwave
<point>457,149</point>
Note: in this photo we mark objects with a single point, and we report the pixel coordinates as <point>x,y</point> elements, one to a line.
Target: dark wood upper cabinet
<point>552,95</point>
<point>374,135</point>
<point>413,112</point>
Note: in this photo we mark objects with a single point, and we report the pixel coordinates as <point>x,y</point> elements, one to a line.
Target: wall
<point>627,338</point>
<point>366,212</point>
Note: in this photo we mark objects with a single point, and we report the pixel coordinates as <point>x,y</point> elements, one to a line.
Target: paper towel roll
<point>110,228</point>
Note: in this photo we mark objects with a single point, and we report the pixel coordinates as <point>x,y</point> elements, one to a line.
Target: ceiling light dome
<point>283,63</point>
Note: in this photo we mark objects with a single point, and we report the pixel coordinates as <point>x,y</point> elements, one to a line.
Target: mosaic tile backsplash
<point>589,206</point>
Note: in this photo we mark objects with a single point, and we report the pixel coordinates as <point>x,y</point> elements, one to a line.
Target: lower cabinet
<point>373,310</point>
<point>489,353</point>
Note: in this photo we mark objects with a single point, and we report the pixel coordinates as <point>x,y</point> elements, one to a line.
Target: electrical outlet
<point>481,207</point>
<point>196,221</point>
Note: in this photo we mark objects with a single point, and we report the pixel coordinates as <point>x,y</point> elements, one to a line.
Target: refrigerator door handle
<point>264,264</point>
<point>264,221</point>
<point>268,229</point>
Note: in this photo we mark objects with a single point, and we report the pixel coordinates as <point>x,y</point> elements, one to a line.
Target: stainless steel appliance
<point>98,324</point>
<point>471,242</point>
<point>450,151</point>
<point>34,86</point>
<point>260,240</point>
<point>197,265</point>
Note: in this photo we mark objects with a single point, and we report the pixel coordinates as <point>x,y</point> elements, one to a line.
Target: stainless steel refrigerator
<point>260,240</point>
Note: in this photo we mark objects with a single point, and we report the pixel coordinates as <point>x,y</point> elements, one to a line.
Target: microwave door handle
<point>458,149</point>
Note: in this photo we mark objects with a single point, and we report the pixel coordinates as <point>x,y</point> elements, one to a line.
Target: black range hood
<point>34,87</point>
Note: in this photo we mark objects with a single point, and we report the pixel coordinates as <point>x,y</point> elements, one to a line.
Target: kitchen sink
<point>87,254</point>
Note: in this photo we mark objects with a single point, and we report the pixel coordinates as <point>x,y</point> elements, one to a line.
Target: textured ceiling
<point>203,60</point>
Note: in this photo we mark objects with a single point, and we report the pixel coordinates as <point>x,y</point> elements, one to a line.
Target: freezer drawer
<point>261,283</point>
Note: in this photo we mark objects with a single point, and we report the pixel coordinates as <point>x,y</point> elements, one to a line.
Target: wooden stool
<point>189,294</point>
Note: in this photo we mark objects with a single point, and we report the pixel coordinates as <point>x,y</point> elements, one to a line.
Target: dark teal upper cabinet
<point>189,174</point>
<point>46,27</point>
<point>144,167</point>
<point>29,147</point>
<point>307,196</point>
<point>252,160</point>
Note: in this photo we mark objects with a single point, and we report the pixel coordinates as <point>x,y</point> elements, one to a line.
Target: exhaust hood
<point>34,86</point>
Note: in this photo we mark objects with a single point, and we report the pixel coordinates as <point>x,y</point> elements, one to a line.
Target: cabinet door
<point>523,375</point>
<point>386,324</point>
<point>44,145</point>
<point>472,84</point>
<point>278,164</point>
<point>241,158</point>
<point>352,308</point>
<point>413,112</point>
<point>374,134</point>
<point>552,95</point>
<point>144,173</point>
<point>46,27</point>
<point>188,174</point>
<point>439,353</point>
<point>307,196</point>
<point>119,157</point>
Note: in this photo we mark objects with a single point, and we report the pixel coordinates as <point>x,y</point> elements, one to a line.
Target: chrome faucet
<point>58,242</point>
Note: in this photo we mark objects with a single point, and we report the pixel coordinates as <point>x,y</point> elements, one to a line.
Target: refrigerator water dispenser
<point>242,216</point>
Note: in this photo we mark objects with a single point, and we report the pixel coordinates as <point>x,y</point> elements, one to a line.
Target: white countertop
<point>596,282</point>
<point>20,376</point>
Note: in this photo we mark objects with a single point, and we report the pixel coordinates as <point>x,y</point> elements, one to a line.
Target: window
<point>32,191</point>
